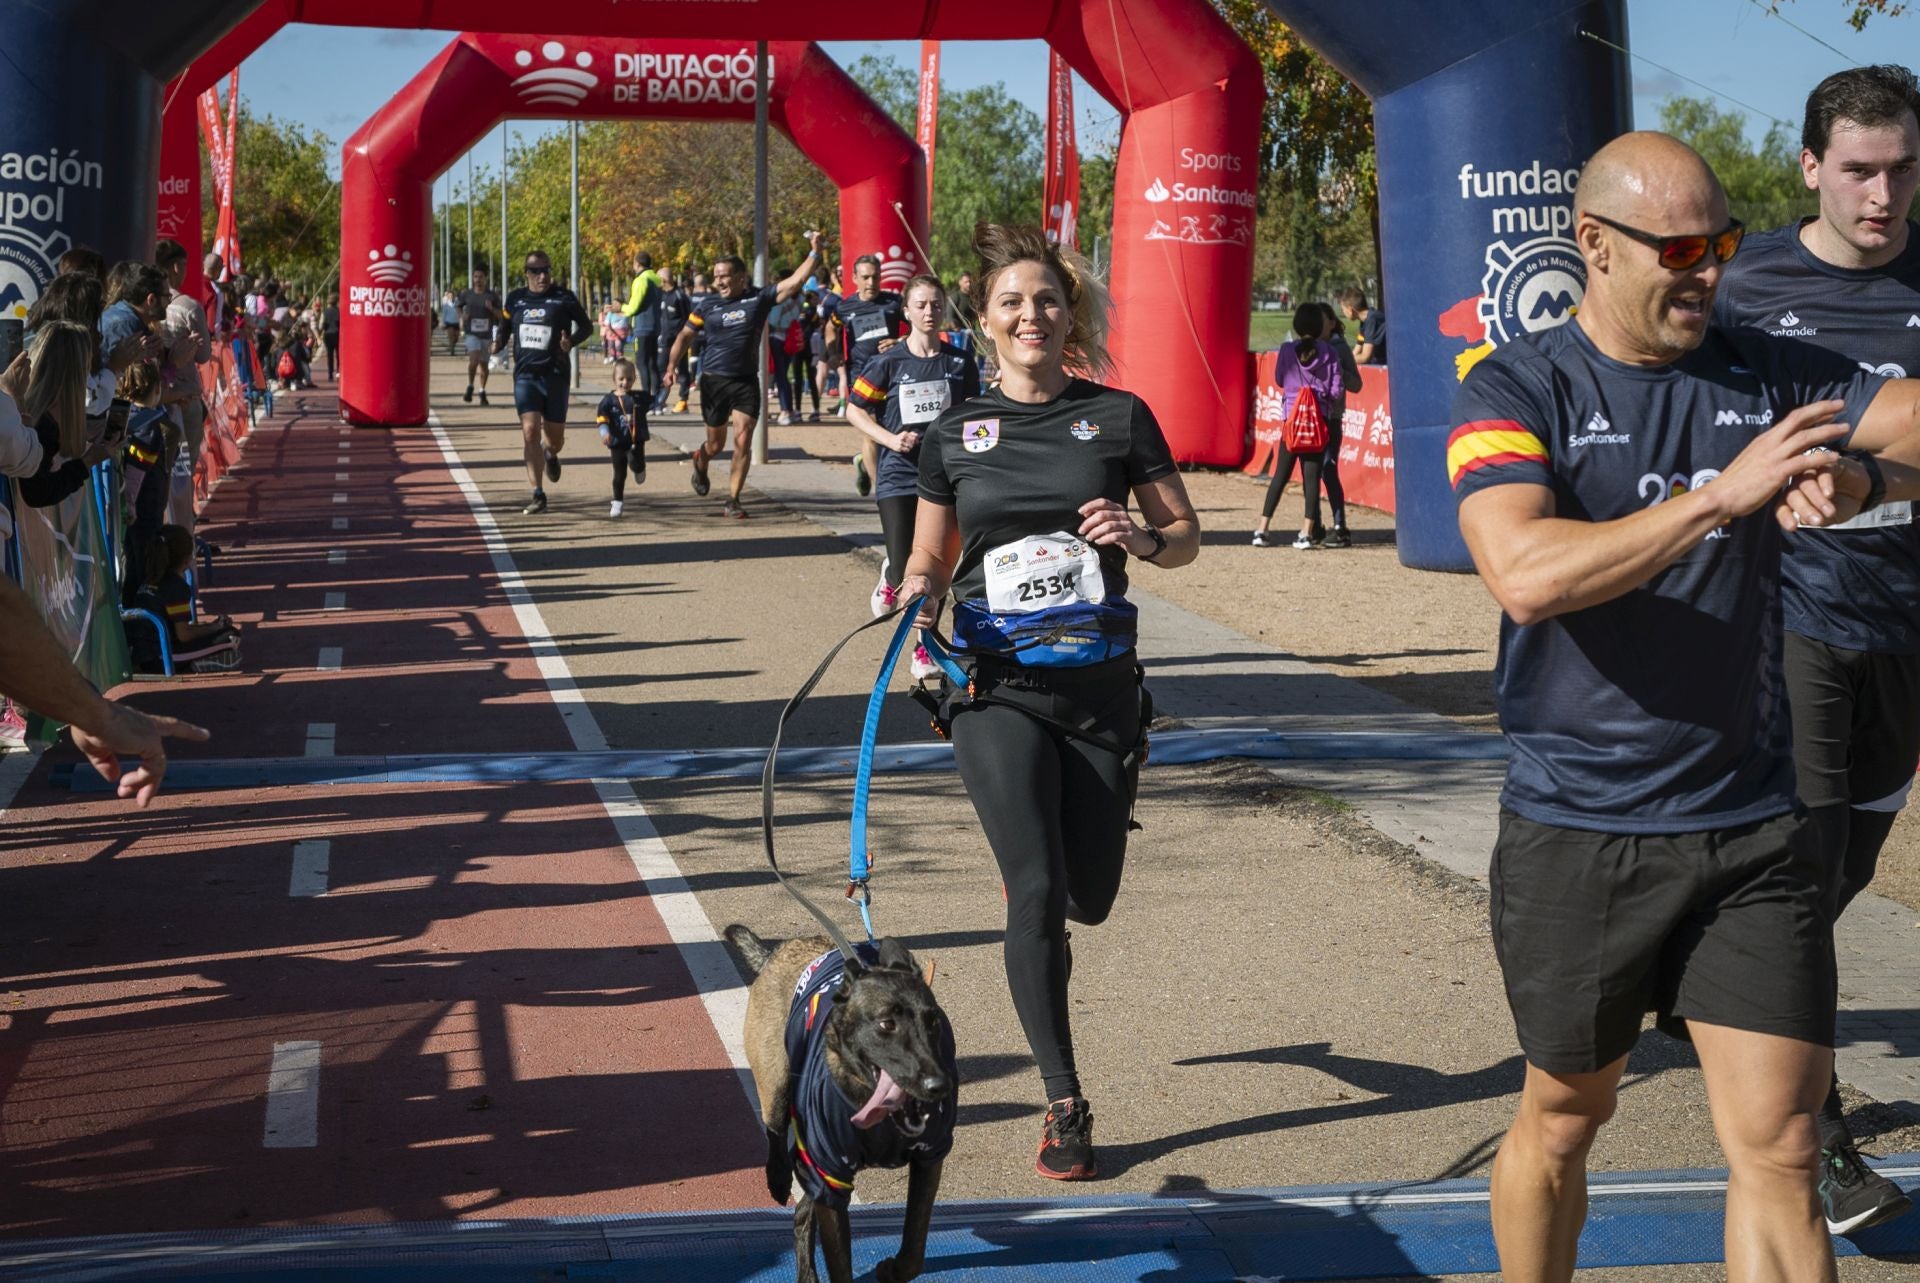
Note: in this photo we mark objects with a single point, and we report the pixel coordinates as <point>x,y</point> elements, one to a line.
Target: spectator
<point>450,320</point>
<point>330,332</point>
<point>85,261</point>
<point>213,297</point>
<point>55,403</point>
<point>1308,364</point>
<point>189,343</point>
<point>149,470</point>
<point>1336,415</point>
<point>210,645</point>
<point>1373,327</point>
<point>20,448</point>
<point>79,298</point>
<point>137,295</point>
<point>786,336</point>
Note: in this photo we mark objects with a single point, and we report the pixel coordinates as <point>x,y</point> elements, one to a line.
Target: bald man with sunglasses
<point>1623,482</point>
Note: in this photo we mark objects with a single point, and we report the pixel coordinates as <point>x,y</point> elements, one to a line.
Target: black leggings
<point>1055,811</point>
<point>1330,461</point>
<point>626,454</point>
<point>1309,483</point>
<point>896,527</point>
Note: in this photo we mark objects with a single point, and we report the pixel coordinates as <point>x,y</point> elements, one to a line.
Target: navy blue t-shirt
<point>826,1150</point>
<point>906,391</point>
<point>1855,585</point>
<point>536,322</point>
<point>732,329</point>
<point>625,419</point>
<point>1663,710</point>
<point>867,323</point>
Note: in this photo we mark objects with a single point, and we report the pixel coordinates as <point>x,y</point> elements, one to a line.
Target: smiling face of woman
<point>1028,318</point>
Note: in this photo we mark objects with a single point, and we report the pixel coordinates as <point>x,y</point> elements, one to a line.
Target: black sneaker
<point>1339,538</point>
<point>469,394</point>
<point>536,504</point>
<point>700,483</point>
<point>553,466</point>
<point>1066,1143</point>
<point>1854,1196</point>
<point>483,398</point>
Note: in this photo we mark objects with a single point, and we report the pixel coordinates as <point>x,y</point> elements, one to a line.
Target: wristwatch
<point>1160,541</point>
<point>1876,480</point>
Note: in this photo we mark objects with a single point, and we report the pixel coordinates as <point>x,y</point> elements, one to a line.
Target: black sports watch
<point>1160,541</point>
<point>1876,479</point>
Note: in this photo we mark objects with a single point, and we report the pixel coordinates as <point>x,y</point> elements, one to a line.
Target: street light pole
<point>469,215</point>
<point>502,273</point>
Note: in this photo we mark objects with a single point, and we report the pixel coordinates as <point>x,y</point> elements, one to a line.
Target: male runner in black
<point>1849,280</point>
<point>731,321</point>
<point>544,321</point>
<point>1620,483</point>
<point>479,314</point>
<point>871,321</point>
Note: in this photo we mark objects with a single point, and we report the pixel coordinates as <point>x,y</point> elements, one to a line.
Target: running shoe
<point>923,668</point>
<point>700,483</point>
<point>814,417</point>
<point>1853,1196</point>
<point>786,420</point>
<point>1338,537</point>
<point>1261,539</point>
<point>639,475</point>
<point>1066,1142</point>
<point>680,406</point>
<point>469,394</point>
<point>862,483</point>
<point>483,399</point>
<point>882,598</point>
<point>615,508</point>
<point>553,466</point>
<point>536,504</point>
<point>1304,541</point>
<point>731,508</point>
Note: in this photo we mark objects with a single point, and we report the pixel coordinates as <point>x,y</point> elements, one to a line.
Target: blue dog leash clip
<point>859,865</point>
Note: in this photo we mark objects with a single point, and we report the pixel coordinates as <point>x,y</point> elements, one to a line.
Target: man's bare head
<point>1650,185</point>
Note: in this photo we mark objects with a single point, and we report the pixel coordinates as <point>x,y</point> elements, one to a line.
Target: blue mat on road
<point>1170,748</point>
<point>1326,1232</point>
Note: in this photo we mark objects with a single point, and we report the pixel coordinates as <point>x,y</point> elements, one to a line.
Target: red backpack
<point>1305,430</point>
<point>288,367</point>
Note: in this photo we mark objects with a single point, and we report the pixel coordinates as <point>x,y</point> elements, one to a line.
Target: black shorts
<point>543,393</point>
<point>1856,724</point>
<point>1594,930</point>
<point>721,396</point>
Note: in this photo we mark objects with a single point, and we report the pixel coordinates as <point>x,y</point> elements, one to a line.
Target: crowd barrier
<point>67,556</point>
<point>1366,449</point>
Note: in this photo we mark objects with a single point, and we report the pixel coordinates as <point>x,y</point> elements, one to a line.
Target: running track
<point>475,1004</point>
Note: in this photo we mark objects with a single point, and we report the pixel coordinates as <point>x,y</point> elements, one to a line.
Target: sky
<point>330,79</point>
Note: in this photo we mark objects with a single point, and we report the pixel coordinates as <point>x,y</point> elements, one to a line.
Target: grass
<point>1269,330</point>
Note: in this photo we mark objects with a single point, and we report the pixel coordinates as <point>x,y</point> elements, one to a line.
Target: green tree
<point>1764,187</point>
<point>286,207</point>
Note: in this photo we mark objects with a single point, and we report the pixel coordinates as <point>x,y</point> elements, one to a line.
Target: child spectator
<point>614,327</point>
<point>211,645</point>
<point>149,468</point>
<point>623,430</point>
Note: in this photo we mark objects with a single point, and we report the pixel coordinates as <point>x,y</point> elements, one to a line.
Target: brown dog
<point>854,1068</point>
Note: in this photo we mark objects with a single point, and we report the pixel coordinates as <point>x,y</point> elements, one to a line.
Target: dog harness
<point>827,1143</point>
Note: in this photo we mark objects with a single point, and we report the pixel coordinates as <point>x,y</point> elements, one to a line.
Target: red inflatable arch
<point>386,198</point>
<point>1189,92</point>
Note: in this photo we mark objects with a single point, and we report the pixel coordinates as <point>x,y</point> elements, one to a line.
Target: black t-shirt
<point>625,419</point>
<point>867,323</point>
<point>1012,470</point>
<point>826,1149</point>
<point>673,312</point>
<point>536,322</point>
<point>479,309</point>
<point>1373,329</point>
<point>1663,710</point>
<point>330,320</point>
<point>732,328</point>
<point>1855,585</point>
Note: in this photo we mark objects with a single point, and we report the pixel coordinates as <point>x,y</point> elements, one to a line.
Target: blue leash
<point>859,867</point>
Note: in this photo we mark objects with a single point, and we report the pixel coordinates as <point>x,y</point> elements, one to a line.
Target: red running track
<point>505,1027</point>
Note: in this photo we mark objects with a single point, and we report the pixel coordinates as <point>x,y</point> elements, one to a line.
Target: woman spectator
<point>1339,536</point>
<point>1308,363</point>
<point>786,335</point>
<point>60,358</point>
<point>330,332</point>
<point>1023,517</point>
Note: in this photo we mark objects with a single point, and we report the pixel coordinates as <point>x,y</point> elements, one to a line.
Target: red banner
<point>220,148</point>
<point>1061,195</point>
<point>1366,446</point>
<point>929,106</point>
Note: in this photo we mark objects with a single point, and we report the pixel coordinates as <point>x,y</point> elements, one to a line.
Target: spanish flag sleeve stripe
<point>867,392</point>
<point>1486,443</point>
<point>800,1145</point>
<point>697,321</point>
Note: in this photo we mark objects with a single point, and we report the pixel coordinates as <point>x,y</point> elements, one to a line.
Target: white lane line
<point>320,739</point>
<point>337,557</point>
<point>293,1096</point>
<point>309,868</point>
<point>336,601</point>
<point>339,498</point>
<point>713,972</point>
<point>340,476</point>
<point>330,657</point>
<point>345,458</point>
<point>339,523</point>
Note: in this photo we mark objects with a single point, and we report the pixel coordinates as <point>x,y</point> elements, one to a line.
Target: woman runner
<point>1023,516</point>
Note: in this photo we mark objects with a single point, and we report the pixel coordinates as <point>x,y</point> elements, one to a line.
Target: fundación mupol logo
<point>392,268</point>
<point>554,85</point>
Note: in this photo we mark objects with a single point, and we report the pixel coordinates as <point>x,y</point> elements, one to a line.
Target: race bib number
<point>536,338</point>
<point>1899,513</point>
<point>924,402</point>
<point>879,332</point>
<point>480,325</point>
<point>1044,571</point>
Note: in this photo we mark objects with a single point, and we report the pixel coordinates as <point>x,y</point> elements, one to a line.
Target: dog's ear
<point>895,955</point>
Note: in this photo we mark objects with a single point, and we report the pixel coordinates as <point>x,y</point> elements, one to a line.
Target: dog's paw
<point>892,1270</point>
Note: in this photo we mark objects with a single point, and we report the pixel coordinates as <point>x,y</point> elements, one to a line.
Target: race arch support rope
<point>386,205</point>
<point>1483,114</point>
<point>1189,93</point>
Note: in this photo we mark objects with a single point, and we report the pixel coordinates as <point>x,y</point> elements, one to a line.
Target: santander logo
<point>1158,192</point>
<point>554,86</point>
<point>392,269</point>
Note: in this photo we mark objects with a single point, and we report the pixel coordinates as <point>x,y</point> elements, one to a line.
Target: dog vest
<point>824,1146</point>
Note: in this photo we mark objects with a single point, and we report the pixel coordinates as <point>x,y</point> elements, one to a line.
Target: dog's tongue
<point>886,1098</point>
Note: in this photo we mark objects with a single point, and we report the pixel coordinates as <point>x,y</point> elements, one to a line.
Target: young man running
<point>479,314</point>
<point>544,321</point>
<point>1651,853</point>
<point>872,320</point>
<point>731,321</point>
<point>1848,280</point>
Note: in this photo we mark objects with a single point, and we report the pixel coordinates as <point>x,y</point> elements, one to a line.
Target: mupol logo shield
<point>1530,287</point>
<point>26,262</point>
